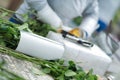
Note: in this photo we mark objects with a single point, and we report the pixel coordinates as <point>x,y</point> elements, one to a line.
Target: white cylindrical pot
<point>39,47</point>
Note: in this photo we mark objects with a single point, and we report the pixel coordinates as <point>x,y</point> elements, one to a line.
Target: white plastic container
<point>88,58</point>
<point>40,47</point>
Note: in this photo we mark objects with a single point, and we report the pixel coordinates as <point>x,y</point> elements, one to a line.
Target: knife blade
<point>83,42</point>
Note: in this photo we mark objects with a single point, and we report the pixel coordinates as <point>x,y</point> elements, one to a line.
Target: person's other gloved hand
<point>76,32</point>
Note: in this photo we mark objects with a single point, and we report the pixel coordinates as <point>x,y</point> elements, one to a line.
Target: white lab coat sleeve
<point>23,9</point>
<point>37,4</point>
<point>45,13</point>
<point>90,18</point>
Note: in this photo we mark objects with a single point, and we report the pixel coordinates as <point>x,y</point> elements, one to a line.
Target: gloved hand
<point>77,32</point>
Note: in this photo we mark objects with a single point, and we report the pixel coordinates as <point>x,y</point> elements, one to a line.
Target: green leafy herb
<point>9,34</point>
<point>70,73</point>
<point>56,69</point>
<point>38,27</point>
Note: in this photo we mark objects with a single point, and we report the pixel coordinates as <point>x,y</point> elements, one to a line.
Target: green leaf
<point>70,73</point>
<point>60,78</point>
<point>24,27</point>
<point>36,71</point>
<point>12,30</point>
<point>25,16</point>
<point>4,14</point>
<point>2,43</point>
<point>91,77</point>
<point>8,36</point>
<point>72,66</point>
<point>46,70</point>
<point>78,20</point>
<point>61,62</point>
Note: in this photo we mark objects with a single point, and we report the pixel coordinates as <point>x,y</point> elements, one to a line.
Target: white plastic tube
<point>40,47</point>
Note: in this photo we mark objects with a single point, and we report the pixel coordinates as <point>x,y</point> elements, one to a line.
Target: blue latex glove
<point>102,27</point>
<point>15,20</point>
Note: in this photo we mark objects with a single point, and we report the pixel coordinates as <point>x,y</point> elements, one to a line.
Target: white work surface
<point>23,68</point>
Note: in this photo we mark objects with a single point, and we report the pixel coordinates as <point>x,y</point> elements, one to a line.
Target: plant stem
<point>6,10</point>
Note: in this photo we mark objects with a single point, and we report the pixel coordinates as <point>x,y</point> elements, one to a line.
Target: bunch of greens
<point>9,34</point>
<point>56,69</point>
<point>38,27</point>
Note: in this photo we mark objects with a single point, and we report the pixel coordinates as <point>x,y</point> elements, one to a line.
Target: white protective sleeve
<point>45,13</point>
<point>23,9</point>
<point>90,17</point>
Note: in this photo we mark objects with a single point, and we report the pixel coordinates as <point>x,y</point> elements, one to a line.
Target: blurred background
<point>10,4</point>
